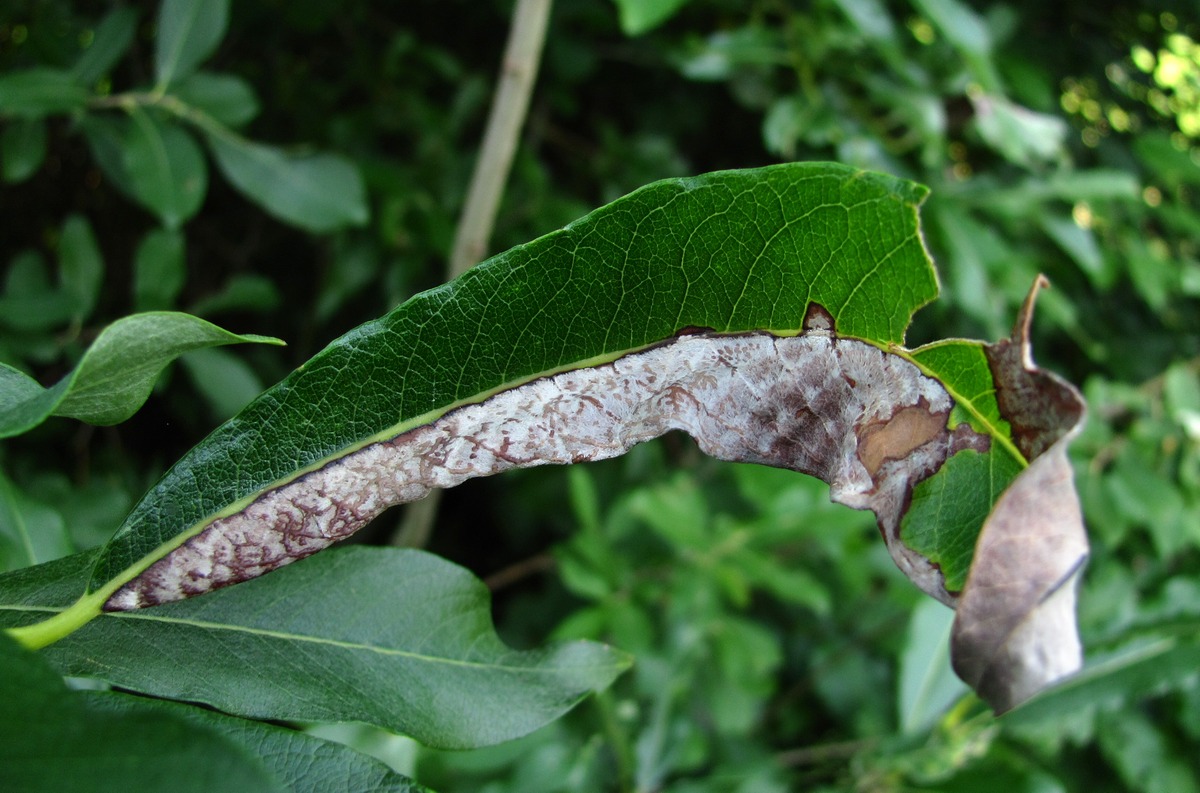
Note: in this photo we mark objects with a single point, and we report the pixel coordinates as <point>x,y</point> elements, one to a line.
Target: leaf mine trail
<point>863,420</point>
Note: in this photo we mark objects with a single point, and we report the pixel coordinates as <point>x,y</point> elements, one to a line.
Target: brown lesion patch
<point>907,430</point>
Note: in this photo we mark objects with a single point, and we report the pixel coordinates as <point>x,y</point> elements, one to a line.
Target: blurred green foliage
<point>777,648</point>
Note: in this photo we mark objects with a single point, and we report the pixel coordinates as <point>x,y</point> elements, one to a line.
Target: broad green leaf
<point>670,256</point>
<point>80,264</point>
<point>641,16</point>
<point>35,93</point>
<point>159,270</point>
<point>165,168</point>
<point>429,664</point>
<point>115,375</point>
<point>320,193</point>
<point>227,98</point>
<point>301,763</point>
<point>22,148</point>
<point>53,740</point>
<point>110,41</point>
<point>188,32</point>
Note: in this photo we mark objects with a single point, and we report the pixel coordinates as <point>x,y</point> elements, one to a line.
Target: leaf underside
<point>817,262</point>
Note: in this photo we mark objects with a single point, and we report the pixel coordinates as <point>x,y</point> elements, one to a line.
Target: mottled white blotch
<point>798,402</point>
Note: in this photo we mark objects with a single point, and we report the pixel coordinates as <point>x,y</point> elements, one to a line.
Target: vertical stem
<point>509,106</point>
<point>518,70</point>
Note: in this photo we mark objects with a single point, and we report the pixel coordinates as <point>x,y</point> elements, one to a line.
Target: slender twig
<point>518,70</point>
<point>517,73</point>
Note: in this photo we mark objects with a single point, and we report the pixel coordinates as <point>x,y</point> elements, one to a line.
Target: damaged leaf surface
<point>762,312</point>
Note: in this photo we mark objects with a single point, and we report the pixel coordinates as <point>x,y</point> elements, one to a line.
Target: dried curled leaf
<point>1014,631</point>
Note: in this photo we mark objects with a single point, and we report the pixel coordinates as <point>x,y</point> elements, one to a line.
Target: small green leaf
<point>30,532</point>
<point>227,382</point>
<point>227,98</point>
<point>166,168</point>
<point>188,32</point>
<point>105,136</point>
<point>110,41</point>
<point>30,301</point>
<point>158,270</point>
<point>53,740</point>
<point>641,16</point>
<point>23,148</point>
<point>320,193</point>
<point>81,266</point>
<point>116,373</point>
<point>243,292</point>
<point>428,665</point>
<point>35,93</point>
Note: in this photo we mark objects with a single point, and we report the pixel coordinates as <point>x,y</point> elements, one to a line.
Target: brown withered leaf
<point>1014,629</point>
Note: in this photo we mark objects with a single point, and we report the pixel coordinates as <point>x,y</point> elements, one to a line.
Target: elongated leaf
<point>110,41</point>
<point>760,311</point>
<point>80,264</point>
<point>321,193</point>
<point>627,276</point>
<point>53,740</point>
<point>428,664</point>
<point>159,270</point>
<point>115,375</point>
<point>165,168</point>
<point>35,93</point>
<point>226,97</point>
<point>23,148</point>
<point>188,32</point>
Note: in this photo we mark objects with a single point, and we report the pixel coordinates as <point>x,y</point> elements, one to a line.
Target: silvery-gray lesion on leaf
<point>866,421</point>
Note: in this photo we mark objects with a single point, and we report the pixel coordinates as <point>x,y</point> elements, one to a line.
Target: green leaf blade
<point>53,739</point>
<point>110,41</point>
<point>115,375</point>
<point>188,32</point>
<point>430,665</point>
<point>629,275</point>
<point>35,93</point>
<point>165,167</point>
<point>320,193</point>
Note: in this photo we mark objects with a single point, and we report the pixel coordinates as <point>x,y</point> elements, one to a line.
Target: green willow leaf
<point>763,312</point>
<point>34,93</point>
<point>188,32</point>
<point>110,41</point>
<point>673,255</point>
<point>53,739</point>
<point>115,375</point>
<point>22,149</point>
<point>165,168</point>
<point>426,663</point>
<point>320,193</point>
<point>227,98</point>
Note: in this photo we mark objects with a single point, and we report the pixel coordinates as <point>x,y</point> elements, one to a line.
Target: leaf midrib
<point>338,643</point>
